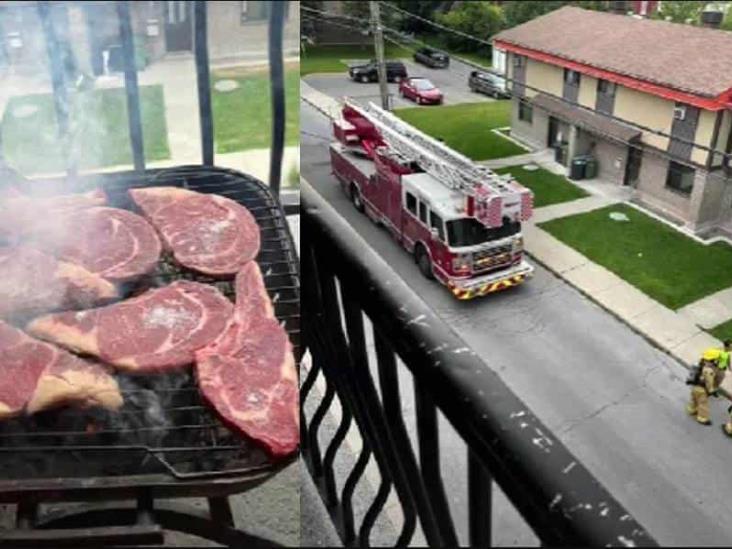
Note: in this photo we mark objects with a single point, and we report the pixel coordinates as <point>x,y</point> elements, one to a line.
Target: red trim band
<point>711,104</point>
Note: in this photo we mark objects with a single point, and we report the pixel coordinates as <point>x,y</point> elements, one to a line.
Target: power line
<point>662,154</point>
<point>438,25</point>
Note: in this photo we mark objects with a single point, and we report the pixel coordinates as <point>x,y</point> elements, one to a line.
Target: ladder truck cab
<point>460,220</point>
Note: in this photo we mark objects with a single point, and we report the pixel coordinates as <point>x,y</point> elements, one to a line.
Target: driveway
<point>453,82</point>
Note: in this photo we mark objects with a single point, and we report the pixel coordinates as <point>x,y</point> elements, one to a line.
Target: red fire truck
<point>460,220</point>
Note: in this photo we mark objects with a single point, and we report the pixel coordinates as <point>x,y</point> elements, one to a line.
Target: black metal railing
<point>56,48</point>
<point>345,282</point>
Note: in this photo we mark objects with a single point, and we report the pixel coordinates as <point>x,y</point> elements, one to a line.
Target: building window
<point>680,178</point>
<point>525,111</point>
<point>571,77</point>
<point>423,212</point>
<point>436,223</point>
<point>608,88</point>
<point>519,60</point>
<point>411,203</point>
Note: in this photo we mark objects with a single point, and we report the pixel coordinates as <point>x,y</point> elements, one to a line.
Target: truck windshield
<point>469,232</point>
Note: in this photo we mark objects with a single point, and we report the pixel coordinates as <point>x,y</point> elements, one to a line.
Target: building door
<point>632,166</point>
<point>178,27</point>
<point>558,139</point>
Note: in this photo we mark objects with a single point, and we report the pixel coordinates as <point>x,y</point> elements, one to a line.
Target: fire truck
<point>461,221</point>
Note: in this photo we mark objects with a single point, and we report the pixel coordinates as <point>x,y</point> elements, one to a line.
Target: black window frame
<point>422,209</point>
<point>525,107</point>
<point>610,87</point>
<point>413,208</point>
<point>677,175</point>
<point>440,226</point>
<point>571,77</point>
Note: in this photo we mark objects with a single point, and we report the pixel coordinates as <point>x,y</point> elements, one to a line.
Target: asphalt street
<point>612,398</point>
<point>453,82</point>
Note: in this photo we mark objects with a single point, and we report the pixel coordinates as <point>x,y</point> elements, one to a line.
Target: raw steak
<point>20,213</point>
<point>207,233</point>
<point>115,244</point>
<point>248,375</point>
<point>154,332</point>
<point>32,282</point>
<point>36,376</point>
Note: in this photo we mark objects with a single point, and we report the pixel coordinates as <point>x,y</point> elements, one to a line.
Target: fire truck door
<point>394,206</point>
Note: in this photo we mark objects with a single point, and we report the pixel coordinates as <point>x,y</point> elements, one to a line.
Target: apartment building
<point>651,100</point>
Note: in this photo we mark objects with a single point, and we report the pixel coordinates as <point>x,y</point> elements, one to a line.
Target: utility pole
<point>379,47</point>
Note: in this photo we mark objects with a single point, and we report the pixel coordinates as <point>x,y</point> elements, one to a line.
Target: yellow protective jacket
<point>708,379</point>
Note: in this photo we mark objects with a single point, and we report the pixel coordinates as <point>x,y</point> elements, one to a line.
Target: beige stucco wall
<point>588,91</point>
<point>724,131</point>
<point>544,77</point>
<point>646,110</point>
<point>703,136</point>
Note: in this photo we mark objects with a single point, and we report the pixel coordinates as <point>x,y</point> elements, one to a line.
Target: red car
<point>420,90</point>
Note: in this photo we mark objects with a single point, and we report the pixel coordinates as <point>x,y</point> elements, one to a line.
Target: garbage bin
<point>591,168</point>
<point>577,168</point>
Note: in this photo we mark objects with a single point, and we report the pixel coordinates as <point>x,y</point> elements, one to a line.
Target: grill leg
<point>221,511</point>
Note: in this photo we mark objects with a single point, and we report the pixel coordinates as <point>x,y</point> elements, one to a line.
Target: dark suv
<point>395,71</point>
<point>489,84</point>
<point>432,58</point>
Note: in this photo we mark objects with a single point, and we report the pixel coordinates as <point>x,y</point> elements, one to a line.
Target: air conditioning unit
<point>679,112</point>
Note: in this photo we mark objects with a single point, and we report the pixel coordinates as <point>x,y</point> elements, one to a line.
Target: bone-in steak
<point>33,282</point>
<point>156,331</point>
<point>115,244</point>
<point>36,376</point>
<point>248,375</point>
<point>207,233</point>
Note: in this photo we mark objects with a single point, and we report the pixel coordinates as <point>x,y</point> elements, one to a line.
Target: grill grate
<point>164,426</point>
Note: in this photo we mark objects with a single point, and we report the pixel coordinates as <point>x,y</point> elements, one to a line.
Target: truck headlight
<point>461,263</point>
<point>518,244</point>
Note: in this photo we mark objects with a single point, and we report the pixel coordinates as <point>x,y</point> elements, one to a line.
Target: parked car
<point>420,90</point>
<point>432,58</point>
<point>489,84</point>
<point>395,71</point>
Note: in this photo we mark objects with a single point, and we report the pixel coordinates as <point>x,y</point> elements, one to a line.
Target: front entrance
<point>632,166</point>
<point>558,139</point>
<point>178,26</point>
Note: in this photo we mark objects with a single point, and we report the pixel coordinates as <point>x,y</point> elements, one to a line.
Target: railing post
<point>277,81</point>
<point>480,503</point>
<point>131,88</point>
<point>60,95</point>
<point>204,83</point>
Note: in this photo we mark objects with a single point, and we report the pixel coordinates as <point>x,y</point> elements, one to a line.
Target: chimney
<point>712,19</point>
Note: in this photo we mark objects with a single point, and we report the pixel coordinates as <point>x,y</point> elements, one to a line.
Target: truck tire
<point>423,262</point>
<point>356,198</point>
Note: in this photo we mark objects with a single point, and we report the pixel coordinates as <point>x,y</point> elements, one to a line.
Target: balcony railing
<point>346,282</point>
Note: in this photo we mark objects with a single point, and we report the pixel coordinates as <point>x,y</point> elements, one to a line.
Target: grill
<point>493,258</point>
<point>165,439</point>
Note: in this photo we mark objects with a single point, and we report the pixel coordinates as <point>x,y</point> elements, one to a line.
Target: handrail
<point>556,495</point>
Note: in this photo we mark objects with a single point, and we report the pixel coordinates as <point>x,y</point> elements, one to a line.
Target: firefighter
<point>704,382</point>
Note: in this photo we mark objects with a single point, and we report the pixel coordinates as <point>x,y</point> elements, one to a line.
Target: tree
<point>681,11</point>
<point>424,8</point>
<point>727,22</point>
<point>479,19</point>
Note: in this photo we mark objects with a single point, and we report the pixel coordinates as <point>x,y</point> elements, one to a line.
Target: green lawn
<point>466,127</point>
<point>242,117</point>
<point>723,331</point>
<point>548,187</point>
<point>98,121</point>
<point>656,259</point>
<point>331,58</point>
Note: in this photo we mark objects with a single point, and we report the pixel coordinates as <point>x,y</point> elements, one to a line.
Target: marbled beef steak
<point>207,233</point>
<point>33,282</point>
<point>116,244</point>
<point>248,375</point>
<point>154,332</point>
<point>36,376</point>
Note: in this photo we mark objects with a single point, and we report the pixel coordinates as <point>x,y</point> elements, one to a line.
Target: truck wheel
<point>356,198</point>
<point>364,79</point>
<point>424,263</point>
